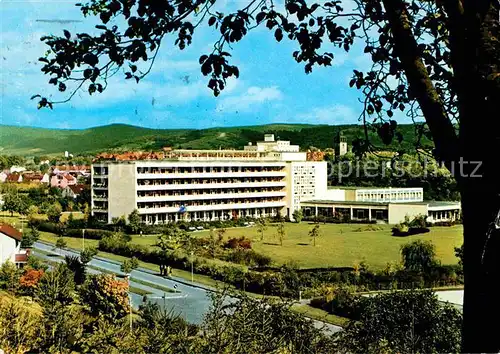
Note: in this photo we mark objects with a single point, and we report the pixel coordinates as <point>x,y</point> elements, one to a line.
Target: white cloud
<point>334,114</point>
<point>253,96</point>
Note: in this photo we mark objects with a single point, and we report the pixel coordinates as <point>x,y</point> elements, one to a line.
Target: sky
<point>272,87</point>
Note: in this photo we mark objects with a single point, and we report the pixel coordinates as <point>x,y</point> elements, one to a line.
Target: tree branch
<point>406,48</point>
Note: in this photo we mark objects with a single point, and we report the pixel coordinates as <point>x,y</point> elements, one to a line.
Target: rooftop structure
<point>270,144</point>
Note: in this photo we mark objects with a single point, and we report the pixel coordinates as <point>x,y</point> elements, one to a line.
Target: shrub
<point>418,255</point>
<point>241,242</point>
<point>9,276</point>
<point>89,233</point>
<point>29,280</point>
<point>344,303</point>
<point>248,257</point>
<point>102,294</point>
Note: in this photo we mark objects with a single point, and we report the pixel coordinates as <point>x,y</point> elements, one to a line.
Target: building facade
<point>10,246</point>
<point>206,185</point>
<point>388,205</point>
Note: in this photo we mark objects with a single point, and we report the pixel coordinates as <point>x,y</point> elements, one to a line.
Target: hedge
<point>286,281</point>
<point>332,220</point>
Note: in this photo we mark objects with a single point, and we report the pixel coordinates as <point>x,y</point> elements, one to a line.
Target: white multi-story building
<point>206,185</point>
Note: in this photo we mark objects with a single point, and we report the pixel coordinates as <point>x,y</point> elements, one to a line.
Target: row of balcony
<point>222,169</point>
<point>212,175</point>
<point>160,187</point>
<point>230,206</point>
<point>213,191</point>
<point>212,196</point>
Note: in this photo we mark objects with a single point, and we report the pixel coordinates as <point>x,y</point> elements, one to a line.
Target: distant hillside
<point>119,137</point>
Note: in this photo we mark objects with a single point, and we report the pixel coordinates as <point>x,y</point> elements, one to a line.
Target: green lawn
<point>338,244</point>
<point>138,291</point>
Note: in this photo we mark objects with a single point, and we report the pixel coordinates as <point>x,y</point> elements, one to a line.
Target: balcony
<point>100,198</point>
<point>162,187</point>
<point>218,196</point>
<point>277,204</point>
<point>99,210</point>
<point>99,176</point>
<point>99,186</point>
<point>210,175</point>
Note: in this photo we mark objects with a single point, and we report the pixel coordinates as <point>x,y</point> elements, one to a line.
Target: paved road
<point>191,302</point>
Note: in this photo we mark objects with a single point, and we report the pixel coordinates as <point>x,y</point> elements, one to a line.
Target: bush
<point>89,233</point>
<point>444,223</point>
<point>344,303</point>
<point>248,257</point>
<point>241,242</point>
<point>337,220</point>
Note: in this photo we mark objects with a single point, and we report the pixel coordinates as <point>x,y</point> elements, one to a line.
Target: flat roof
<point>436,203</point>
<point>325,201</point>
<point>375,188</point>
<point>430,203</point>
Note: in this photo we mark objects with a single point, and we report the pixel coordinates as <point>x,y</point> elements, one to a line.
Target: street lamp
<point>83,239</point>
<point>130,300</point>
<point>192,276</point>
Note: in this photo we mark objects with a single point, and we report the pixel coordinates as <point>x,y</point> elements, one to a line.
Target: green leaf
<point>211,21</point>
<point>278,34</point>
<point>90,59</point>
<point>260,17</point>
<point>203,58</point>
<point>67,34</point>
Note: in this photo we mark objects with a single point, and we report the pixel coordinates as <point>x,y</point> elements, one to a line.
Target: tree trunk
<point>479,143</point>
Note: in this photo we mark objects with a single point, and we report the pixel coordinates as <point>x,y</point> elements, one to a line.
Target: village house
<point>10,246</point>
<point>14,178</point>
<point>36,178</point>
<point>62,180</point>
<point>3,176</point>
<point>73,191</point>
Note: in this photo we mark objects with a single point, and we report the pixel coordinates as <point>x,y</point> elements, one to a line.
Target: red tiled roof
<point>21,257</point>
<point>71,168</point>
<point>69,177</point>
<point>13,177</point>
<point>36,177</point>
<point>10,231</point>
<point>77,188</point>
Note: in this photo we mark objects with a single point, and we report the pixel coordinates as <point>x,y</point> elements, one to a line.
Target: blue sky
<point>272,87</point>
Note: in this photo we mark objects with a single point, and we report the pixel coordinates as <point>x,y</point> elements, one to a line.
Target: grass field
<point>338,244</point>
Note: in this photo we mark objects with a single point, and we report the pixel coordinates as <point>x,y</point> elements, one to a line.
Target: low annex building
<point>390,205</point>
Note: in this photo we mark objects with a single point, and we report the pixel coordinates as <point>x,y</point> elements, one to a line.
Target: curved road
<point>191,302</point>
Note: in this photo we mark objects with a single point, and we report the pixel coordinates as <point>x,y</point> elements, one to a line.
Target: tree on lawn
<point>171,241</point>
<point>314,233</point>
<point>134,221</point>
<point>261,227</point>
<point>215,241</point>
<point>15,202</point>
<point>280,230</point>
<point>54,213</point>
<point>437,61</point>
<point>129,265</point>
<point>419,256</point>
